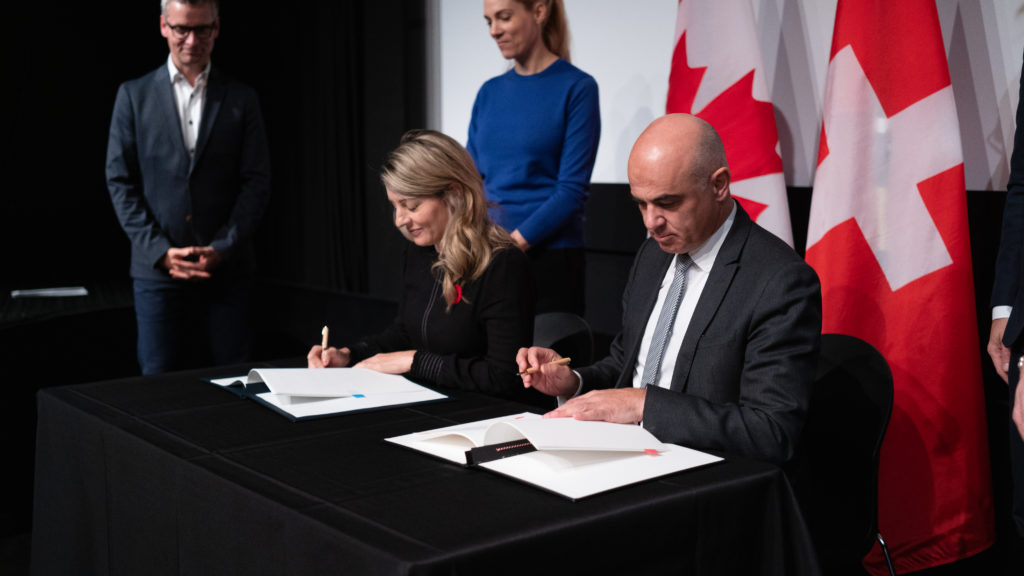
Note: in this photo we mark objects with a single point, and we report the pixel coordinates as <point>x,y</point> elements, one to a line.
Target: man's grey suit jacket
<point>742,379</point>
<point>163,199</point>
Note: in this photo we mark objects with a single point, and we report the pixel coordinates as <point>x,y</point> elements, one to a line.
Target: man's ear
<point>720,182</point>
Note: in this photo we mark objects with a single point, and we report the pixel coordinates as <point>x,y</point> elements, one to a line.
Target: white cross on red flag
<point>723,83</point>
<point>888,237</point>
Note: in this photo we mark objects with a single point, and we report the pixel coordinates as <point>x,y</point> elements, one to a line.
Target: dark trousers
<point>558,274</point>
<point>190,324</point>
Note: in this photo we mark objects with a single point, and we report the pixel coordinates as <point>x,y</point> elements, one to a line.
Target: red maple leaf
<point>746,125</point>
<point>747,129</point>
<point>683,81</point>
<point>753,209</point>
<point>823,146</point>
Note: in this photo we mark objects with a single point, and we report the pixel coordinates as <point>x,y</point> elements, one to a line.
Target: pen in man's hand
<point>559,362</point>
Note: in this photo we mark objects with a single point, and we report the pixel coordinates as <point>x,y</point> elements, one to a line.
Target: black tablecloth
<point>171,475</point>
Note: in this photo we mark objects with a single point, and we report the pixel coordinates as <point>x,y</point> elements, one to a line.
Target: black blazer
<point>742,379</point>
<point>161,198</point>
<point>472,346</point>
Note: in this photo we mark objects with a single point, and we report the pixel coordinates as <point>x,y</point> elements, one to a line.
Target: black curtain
<point>339,83</point>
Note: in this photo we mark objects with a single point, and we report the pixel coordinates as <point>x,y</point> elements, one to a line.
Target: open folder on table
<point>573,458</point>
<point>303,393</point>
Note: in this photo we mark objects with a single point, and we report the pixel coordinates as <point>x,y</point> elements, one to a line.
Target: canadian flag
<point>888,236</point>
<point>722,81</point>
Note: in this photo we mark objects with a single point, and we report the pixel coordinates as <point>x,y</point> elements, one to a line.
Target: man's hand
<point>191,262</point>
<point>548,378</point>
<point>330,357</point>
<point>389,362</point>
<point>622,406</point>
<point>1000,354</point>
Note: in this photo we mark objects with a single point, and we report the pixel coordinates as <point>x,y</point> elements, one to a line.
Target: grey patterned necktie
<point>667,318</point>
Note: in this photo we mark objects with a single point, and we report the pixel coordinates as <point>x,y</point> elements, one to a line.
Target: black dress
<point>472,346</point>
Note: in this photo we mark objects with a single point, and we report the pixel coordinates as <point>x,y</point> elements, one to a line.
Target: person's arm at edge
<point>1008,261</point>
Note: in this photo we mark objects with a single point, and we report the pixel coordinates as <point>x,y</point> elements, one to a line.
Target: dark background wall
<point>339,83</point>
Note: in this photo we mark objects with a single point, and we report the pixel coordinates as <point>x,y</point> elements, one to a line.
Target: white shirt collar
<point>176,74</point>
<point>704,256</point>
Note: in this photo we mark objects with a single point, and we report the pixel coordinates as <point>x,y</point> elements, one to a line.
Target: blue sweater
<point>534,139</point>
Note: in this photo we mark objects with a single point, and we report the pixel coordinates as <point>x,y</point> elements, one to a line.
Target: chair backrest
<point>835,474</point>
<point>565,333</point>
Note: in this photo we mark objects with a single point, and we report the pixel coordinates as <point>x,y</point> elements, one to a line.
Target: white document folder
<point>303,393</point>
<point>573,458</point>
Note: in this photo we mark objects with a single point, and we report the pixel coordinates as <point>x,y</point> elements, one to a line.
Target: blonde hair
<point>556,27</point>
<point>430,164</point>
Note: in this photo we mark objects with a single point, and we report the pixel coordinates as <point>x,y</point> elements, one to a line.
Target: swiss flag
<point>888,237</point>
<point>722,81</point>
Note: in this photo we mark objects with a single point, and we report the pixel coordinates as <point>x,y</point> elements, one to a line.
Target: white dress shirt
<point>189,101</point>
<point>696,277</point>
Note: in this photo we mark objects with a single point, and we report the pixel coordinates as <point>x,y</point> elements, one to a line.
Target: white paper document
<point>306,393</point>
<point>451,442</point>
<point>330,382</point>
<point>573,458</point>
<point>60,292</point>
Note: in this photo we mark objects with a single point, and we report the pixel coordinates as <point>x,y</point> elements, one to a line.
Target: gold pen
<point>559,362</point>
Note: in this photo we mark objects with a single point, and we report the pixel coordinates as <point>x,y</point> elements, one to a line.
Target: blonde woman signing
<point>533,135</point>
<point>467,300</point>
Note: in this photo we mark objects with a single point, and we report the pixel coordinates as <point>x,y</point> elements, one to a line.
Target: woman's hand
<point>330,357</point>
<point>389,362</point>
<point>521,242</point>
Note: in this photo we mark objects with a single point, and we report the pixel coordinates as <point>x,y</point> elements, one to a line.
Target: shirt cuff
<point>564,399</point>
<point>1001,312</point>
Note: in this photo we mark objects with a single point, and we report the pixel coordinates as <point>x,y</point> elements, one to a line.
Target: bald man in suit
<point>730,366</point>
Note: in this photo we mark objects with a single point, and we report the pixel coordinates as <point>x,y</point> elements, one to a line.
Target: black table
<point>171,475</point>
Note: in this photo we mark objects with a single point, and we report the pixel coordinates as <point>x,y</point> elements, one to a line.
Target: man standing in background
<point>189,176</point>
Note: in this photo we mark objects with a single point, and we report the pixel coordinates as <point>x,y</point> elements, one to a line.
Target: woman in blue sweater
<point>534,135</point>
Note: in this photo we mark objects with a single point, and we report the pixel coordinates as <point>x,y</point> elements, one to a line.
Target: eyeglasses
<point>202,32</point>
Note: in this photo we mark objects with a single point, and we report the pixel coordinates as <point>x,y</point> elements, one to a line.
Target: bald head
<point>679,178</point>
<point>679,142</point>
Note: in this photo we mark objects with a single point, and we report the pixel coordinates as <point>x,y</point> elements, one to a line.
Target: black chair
<point>565,333</point>
<point>835,473</point>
